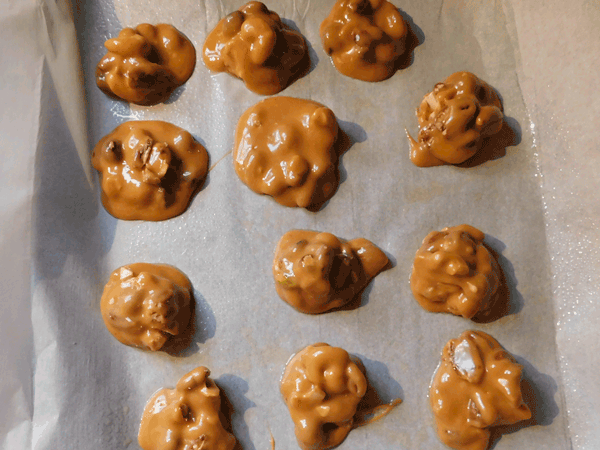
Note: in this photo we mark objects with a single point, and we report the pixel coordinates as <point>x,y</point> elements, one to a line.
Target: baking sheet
<point>89,390</point>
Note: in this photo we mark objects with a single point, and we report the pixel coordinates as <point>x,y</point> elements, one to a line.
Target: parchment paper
<point>74,386</point>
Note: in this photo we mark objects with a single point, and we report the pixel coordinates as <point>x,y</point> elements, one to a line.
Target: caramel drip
<point>253,44</point>
<point>454,120</point>
<point>146,64</point>
<point>144,305</point>
<point>285,148</point>
<point>365,38</point>
<point>476,386</point>
<point>454,272</point>
<point>316,272</point>
<point>149,170</point>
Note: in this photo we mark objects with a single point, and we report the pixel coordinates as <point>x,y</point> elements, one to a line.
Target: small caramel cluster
<point>144,305</point>
<point>149,170</point>
<point>365,38</point>
<point>454,120</point>
<point>146,64</point>
<point>454,272</point>
<point>322,387</point>
<point>253,44</point>
<point>476,386</point>
<point>187,417</point>
<point>316,272</point>
<point>285,148</point>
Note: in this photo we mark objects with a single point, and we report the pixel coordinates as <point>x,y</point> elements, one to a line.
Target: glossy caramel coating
<point>144,305</point>
<point>322,387</point>
<point>365,38</point>
<point>285,148</point>
<point>149,170</point>
<point>476,386</point>
<point>454,121</point>
<point>253,44</point>
<point>315,272</point>
<point>146,64</point>
<point>187,417</point>
<point>454,272</point>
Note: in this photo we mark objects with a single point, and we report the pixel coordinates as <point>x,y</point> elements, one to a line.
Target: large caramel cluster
<point>322,387</point>
<point>365,38</point>
<point>146,64</point>
<point>149,170</point>
<point>454,120</point>
<point>285,148</point>
<point>253,44</point>
<point>454,272</point>
<point>187,417</point>
<point>144,305</point>
<point>476,386</point>
<point>316,272</point>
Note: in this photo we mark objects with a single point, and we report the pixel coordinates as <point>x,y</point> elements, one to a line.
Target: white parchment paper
<point>68,384</point>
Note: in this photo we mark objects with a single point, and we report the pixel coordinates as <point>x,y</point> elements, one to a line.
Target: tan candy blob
<point>186,418</point>
<point>476,386</point>
<point>285,148</point>
<point>253,44</point>
<point>365,38</point>
<point>454,120</point>
<point>146,64</point>
<point>322,387</point>
<point>144,305</point>
<point>315,272</point>
<point>149,170</point>
<point>454,272</point>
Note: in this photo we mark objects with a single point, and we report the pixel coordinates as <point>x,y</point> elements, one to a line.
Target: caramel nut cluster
<point>149,170</point>
<point>187,417</point>
<point>454,120</point>
<point>253,44</point>
<point>144,305</point>
<point>146,64</point>
<point>315,272</point>
<point>476,386</point>
<point>285,148</point>
<point>365,38</point>
<point>322,387</point>
<point>454,272</point>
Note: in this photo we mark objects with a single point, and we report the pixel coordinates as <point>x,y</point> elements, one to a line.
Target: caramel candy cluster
<point>365,38</point>
<point>315,272</point>
<point>454,120</point>
<point>285,148</point>
<point>476,386</point>
<point>322,387</point>
<point>186,418</point>
<point>255,45</point>
<point>144,305</point>
<point>149,170</point>
<point>146,64</point>
<point>454,272</point>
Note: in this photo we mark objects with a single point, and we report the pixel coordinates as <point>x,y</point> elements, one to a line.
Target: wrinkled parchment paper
<point>66,383</point>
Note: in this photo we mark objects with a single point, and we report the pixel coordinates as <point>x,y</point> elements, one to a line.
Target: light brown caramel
<point>144,305</point>
<point>285,148</point>
<point>316,272</point>
<point>365,38</point>
<point>322,387</point>
<point>146,64</point>
<point>253,44</point>
<point>454,120</point>
<point>186,418</point>
<point>454,272</point>
<point>149,170</point>
<point>475,387</point>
